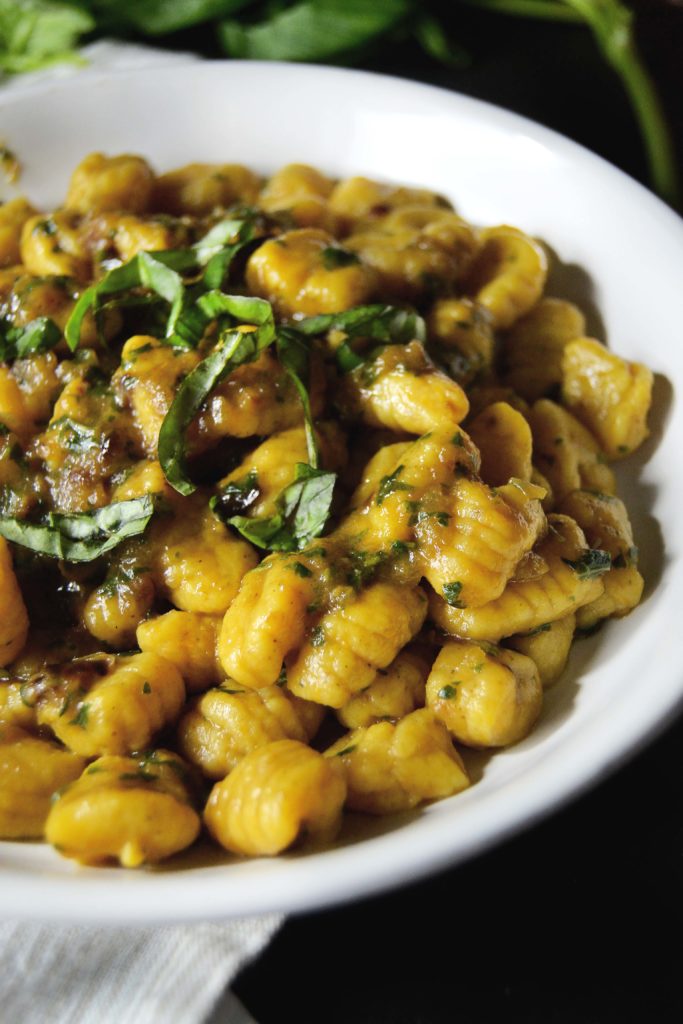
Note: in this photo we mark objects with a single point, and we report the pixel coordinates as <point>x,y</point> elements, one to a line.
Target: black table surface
<point>579,918</point>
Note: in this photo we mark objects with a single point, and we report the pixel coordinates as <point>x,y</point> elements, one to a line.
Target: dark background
<point>579,919</point>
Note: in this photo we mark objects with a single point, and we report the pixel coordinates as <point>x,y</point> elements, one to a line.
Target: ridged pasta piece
<point>113,610</point>
<point>53,245</point>
<point>605,521</point>
<point>508,274</point>
<point>228,722</point>
<point>461,338</point>
<point>566,452</point>
<point>526,605</point>
<point>623,591</point>
<point>189,640</point>
<point>302,192</point>
<point>13,615</point>
<point>608,394</point>
<point>351,643</point>
<point>198,189</point>
<point>548,646</point>
<point>13,216</point>
<point>396,691</point>
<point>134,810</point>
<point>485,696</point>
<point>107,703</point>
<point>101,183</point>
<point>195,561</point>
<point>391,767</point>
<point>359,199</point>
<point>295,272</point>
<point>266,621</point>
<point>415,250</point>
<point>503,438</point>
<point>403,391</point>
<point>470,555</point>
<point>534,346</point>
<point>276,794</point>
<point>31,770</point>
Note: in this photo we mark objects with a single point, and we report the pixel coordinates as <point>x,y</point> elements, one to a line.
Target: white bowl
<point>621,251</point>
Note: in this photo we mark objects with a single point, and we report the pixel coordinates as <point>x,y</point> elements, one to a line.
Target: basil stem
<point>83,536</point>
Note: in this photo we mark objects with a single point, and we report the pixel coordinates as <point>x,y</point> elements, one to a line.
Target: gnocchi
<point>305,493</point>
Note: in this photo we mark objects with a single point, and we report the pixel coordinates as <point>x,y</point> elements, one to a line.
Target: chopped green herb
<point>448,692</point>
<point>317,636</point>
<point>591,564</point>
<point>333,258</point>
<point>146,688</point>
<point>451,592</point>
<point>346,750</point>
<point>81,718</point>
<point>300,569</point>
<point>139,776</point>
<point>389,484</point>
<point>457,440</point>
<point>543,628</point>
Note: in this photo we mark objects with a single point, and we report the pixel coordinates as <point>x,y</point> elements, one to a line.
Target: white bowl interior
<point>619,253</point>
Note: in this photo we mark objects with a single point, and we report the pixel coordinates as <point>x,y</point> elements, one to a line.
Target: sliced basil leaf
<point>389,324</point>
<point>144,270</point>
<point>83,536</point>
<point>303,510</point>
<point>334,258</point>
<point>592,563</point>
<point>294,354</point>
<point>234,348</point>
<point>40,335</point>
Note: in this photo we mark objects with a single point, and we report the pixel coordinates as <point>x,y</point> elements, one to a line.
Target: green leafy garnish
<point>333,258</point>
<point>37,33</point>
<point>387,324</point>
<point>543,628</point>
<point>592,563</point>
<point>451,592</point>
<point>447,692</point>
<point>234,348</point>
<point>41,335</point>
<point>346,750</point>
<point>390,484</point>
<point>294,354</point>
<point>303,510</point>
<point>81,717</point>
<point>82,536</point>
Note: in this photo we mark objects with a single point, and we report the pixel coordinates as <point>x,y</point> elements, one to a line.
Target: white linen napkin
<point>89,975</point>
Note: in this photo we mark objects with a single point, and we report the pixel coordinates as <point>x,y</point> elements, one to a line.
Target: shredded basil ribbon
<point>234,348</point>
<point>40,335</point>
<point>303,510</point>
<point>83,536</point>
<point>378,322</point>
<point>160,272</point>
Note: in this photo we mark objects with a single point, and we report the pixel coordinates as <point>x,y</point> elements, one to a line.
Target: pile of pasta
<point>305,490</point>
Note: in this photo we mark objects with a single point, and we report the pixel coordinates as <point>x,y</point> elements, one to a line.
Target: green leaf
<point>294,354</point>
<point>234,348</point>
<point>334,258</point>
<point>451,592</point>
<point>156,17</point>
<point>36,33</point>
<point>314,30</point>
<point>303,510</point>
<point>389,484</point>
<point>432,38</point>
<point>591,564</point>
<point>144,270</point>
<point>40,335</point>
<point>83,536</point>
<point>388,324</point>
